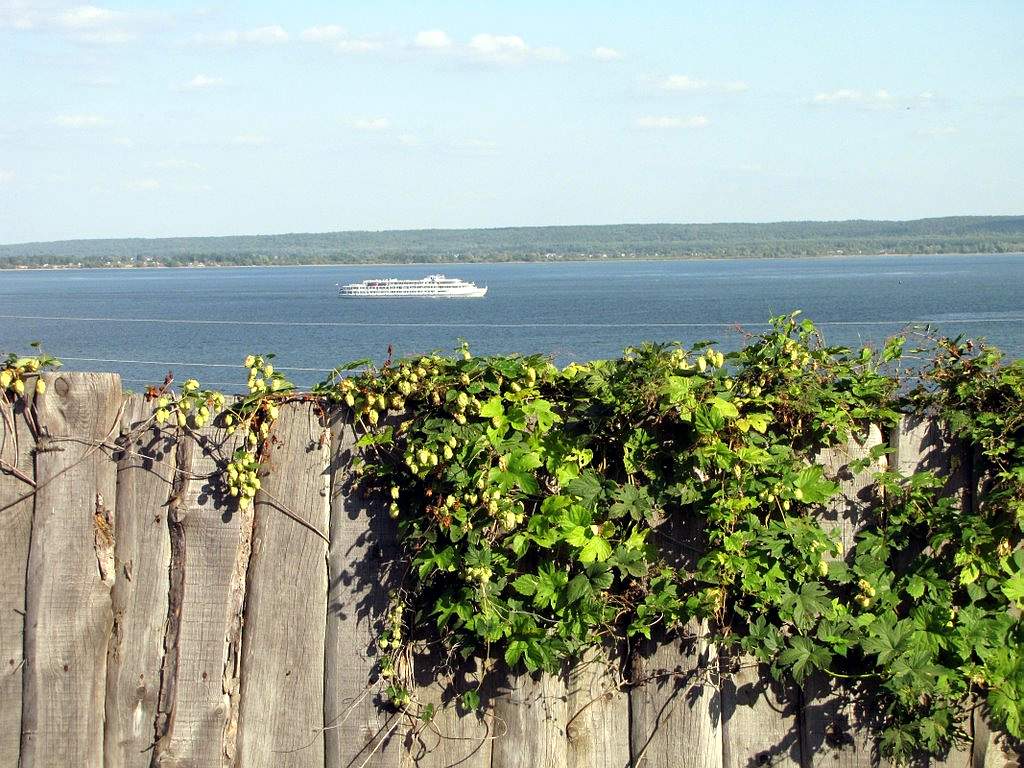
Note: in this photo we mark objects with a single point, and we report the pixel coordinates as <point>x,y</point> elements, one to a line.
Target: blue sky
<point>173,118</point>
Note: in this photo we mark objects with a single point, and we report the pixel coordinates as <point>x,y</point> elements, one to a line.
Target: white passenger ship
<point>431,286</point>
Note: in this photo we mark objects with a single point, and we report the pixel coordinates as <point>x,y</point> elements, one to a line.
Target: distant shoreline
<point>460,262</point>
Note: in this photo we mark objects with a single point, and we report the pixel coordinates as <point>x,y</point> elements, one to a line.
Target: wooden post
<point>70,571</point>
<point>17,478</point>
<point>359,730</point>
<point>210,542</point>
<point>833,734</point>
<point>142,555</point>
<point>281,719</point>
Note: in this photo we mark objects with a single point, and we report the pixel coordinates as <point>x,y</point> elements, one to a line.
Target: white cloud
<point>97,82</point>
<point>324,34</point>
<point>269,35</point>
<point>338,37</point>
<point>656,121</point>
<point>877,99</point>
<point>79,121</point>
<point>356,45</point>
<point>433,39</point>
<point>683,83</point>
<point>510,49</point>
<point>6,176</point>
<point>81,23</point>
<point>603,53</point>
<point>499,47</point>
<point>370,123</point>
<point>143,185</point>
<point>687,84</point>
<point>409,140</point>
<point>250,140</point>
<point>86,17</point>
<point>201,82</point>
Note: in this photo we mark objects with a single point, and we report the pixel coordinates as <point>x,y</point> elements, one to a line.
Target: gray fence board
<point>16,506</point>
<point>280,723</point>
<point>142,556</point>
<point>530,718</point>
<point>209,543</point>
<point>832,734</point>
<point>70,572</point>
<point>759,719</point>
<point>360,573</point>
<point>676,710</point>
<point>597,727</point>
<point>453,737</point>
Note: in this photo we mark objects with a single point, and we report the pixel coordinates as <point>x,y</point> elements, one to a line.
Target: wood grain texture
<point>210,541</point>
<point>834,733</point>
<point>70,571</point>
<point>281,716</point>
<point>992,749</point>
<point>361,569</point>
<point>597,726</point>
<point>676,708</point>
<point>453,737</point>
<point>759,718</point>
<point>16,505</point>
<point>142,555</point>
<point>530,714</point>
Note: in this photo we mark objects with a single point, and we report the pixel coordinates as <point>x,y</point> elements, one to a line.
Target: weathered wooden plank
<point>597,726</point>
<point>675,709</point>
<point>142,555</point>
<point>360,728</point>
<point>210,543</point>
<point>530,716</point>
<point>281,716</point>
<point>920,444</point>
<point>70,571</point>
<point>993,749</point>
<point>759,718</point>
<point>833,734</point>
<point>17,473</point>
<point>452,737</point>
<point>676,700</point>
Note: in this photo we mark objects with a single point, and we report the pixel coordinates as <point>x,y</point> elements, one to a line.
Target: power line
<point>338,324</point>
<point>238,366</point>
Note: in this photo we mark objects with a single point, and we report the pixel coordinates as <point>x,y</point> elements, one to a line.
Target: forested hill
<point>959,234</point>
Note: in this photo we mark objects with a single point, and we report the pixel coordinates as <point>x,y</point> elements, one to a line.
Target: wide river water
<point>142,322</point>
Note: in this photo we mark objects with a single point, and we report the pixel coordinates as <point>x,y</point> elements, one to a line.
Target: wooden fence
<point>144,621</point>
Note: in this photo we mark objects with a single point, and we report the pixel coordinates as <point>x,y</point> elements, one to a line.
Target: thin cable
<point>334,324</point>
<point>238,366</point>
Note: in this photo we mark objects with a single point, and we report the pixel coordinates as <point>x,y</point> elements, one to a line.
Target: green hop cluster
<point>16,370</point>
<point>242,478</point>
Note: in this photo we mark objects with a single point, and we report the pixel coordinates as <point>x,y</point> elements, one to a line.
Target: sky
<point>177,118</point>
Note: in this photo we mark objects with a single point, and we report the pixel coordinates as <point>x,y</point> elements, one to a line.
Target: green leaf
<point>525,584</point>
<point>596,549</point>
<point>813,485</point>
<point>724,408</point>
<point>804,656</point>
<point>471,701</point>
<point>492,408</point>
<point>1013,588</point>
<point>578,588</point>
